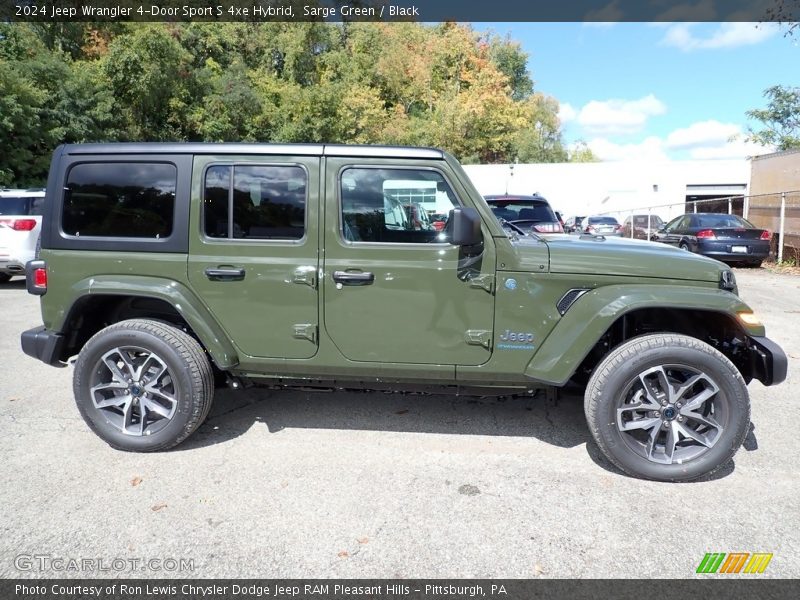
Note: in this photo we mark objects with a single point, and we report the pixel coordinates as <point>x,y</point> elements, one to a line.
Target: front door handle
<point>348,278</point>
<point>229,274</point>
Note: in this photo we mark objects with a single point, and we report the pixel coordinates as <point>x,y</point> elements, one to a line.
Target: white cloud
<point>702,133</point>
<point>650,149</point>
<point>700,141</point>
<point>566,113</point>
<point>726,35</point>
<point>615,117</point>
<point>733,149</point>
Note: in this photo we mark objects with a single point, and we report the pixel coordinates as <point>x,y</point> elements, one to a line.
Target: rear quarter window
<point>120,199</point>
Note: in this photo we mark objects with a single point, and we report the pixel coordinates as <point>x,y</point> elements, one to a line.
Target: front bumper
<point>768,362</point>
<point>43,345</point>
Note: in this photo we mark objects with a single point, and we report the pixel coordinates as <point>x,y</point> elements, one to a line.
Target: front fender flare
<point>177,295</point>
<point>579,330</point>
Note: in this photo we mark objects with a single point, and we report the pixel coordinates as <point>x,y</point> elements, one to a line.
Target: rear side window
<point>12,205</point>
<point>255,202</point>
<point>127,200</point>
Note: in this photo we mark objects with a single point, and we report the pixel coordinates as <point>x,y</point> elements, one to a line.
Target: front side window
<point>395,205</point>
<point>132,200</point>
<point>255,202</point>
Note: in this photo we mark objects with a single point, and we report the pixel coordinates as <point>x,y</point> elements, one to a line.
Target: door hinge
<point>306,275</point>
<point>479,337</point>
<point>484,282</point>
<point>305,331</point>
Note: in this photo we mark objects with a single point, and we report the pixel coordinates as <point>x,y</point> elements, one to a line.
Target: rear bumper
<point>723,250</point>
<point>43,345</point>
<point>768,362</point>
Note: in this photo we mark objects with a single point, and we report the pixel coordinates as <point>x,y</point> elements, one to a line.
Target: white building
<point>619,188</point>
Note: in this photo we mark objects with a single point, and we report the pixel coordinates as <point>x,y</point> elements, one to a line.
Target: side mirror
<point>465,224</point>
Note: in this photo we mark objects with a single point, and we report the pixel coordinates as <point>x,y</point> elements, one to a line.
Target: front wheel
<point>667,407</point>
<point>143,385</point>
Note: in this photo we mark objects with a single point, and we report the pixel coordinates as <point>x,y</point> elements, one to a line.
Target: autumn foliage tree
<point>375,83</point>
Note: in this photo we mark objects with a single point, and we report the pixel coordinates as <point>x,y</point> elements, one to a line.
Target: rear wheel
<point>667,407</point>
<point>143,385</point>
<point>685,246</point>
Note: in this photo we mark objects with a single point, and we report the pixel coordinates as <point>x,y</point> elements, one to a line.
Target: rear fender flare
<point>177,295</point>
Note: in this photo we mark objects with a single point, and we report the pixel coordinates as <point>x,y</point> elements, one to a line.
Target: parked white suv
<point>20,224</point>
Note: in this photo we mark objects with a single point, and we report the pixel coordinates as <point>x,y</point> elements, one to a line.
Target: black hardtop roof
<point>253,148</point>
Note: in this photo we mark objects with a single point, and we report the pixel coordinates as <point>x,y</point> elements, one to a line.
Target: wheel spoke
<point>688,432</point>
<point>112,366</point>
<point>127,415</point>
<point>670,443</point>
<point>111,385</point>
<point>112,402</point>
<point>158,392</point>
<point>651,444</point>
<point>155,407</point>
<point>123,355</point>
<point>643,423</point>
<point>702,419</point>
<point>697,401</point>
<point>142,370</point>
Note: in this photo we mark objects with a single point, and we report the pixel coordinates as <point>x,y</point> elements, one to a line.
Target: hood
<point>621,256</point>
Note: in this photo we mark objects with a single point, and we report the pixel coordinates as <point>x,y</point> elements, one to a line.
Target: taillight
<point>547,228</point>
<point>40,278</point>
<point>766,235</point>
<point>21,224</point>
<point>705,234</point>
<point>36,277</point>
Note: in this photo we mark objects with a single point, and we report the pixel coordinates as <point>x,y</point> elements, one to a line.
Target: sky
<point>657,91</point>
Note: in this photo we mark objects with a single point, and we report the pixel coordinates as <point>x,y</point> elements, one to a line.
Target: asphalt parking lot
<point>303,484</point>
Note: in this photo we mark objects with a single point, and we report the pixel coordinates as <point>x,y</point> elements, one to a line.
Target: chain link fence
<point>779,213</point>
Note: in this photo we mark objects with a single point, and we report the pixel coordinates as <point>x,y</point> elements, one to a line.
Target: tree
<point>780,120</point>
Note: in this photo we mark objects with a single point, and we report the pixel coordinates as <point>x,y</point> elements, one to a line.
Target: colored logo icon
<point>734,562</point>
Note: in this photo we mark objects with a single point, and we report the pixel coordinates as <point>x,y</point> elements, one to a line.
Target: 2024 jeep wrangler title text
<point>165,266</point>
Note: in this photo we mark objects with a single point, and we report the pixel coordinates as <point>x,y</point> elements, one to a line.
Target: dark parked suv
<point>165,268</point>
<point>528,213</point>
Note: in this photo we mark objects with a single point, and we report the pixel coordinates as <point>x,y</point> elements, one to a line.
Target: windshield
<point>722,222</point>
<point>12,205</point>
<point>641,221</point>
<point>602,221</point>
<point>522,211</point>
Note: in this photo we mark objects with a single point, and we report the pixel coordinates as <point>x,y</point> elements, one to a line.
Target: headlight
<point>749,318</point>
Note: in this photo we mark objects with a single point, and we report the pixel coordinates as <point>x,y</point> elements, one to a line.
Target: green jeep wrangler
<point>167,268</point>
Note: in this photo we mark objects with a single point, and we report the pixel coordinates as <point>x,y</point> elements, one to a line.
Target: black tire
<point>5,277</point>
<point>608,401</point>
<point>685,246</point>
<point>186,376</point>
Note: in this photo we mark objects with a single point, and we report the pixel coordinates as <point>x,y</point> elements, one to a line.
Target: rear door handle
<point>348,278</point>
<point>229,274</point>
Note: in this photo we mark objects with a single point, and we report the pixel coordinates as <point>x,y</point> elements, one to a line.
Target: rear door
<point>393,293</point>
<point>254,260</point>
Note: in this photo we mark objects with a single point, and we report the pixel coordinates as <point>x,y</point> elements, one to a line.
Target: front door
<point>394,289</point>
<point>255,260</point>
